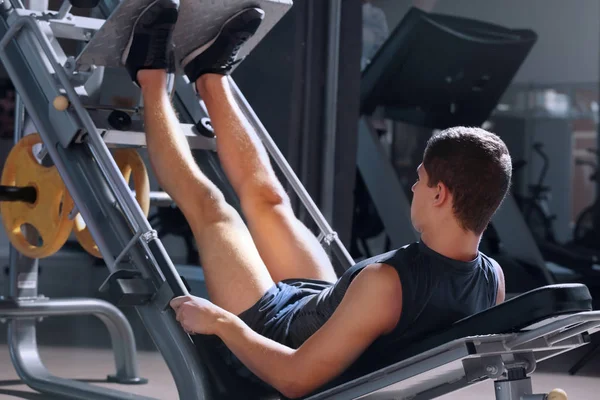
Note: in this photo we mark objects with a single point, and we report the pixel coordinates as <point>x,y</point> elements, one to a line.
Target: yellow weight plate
<point>49,215</point>
<point>130,163</point>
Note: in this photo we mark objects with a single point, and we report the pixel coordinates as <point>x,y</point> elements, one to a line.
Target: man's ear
<point>441,195</point>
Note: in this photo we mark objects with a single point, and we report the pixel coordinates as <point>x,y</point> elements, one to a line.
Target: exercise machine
<point>75,134</point>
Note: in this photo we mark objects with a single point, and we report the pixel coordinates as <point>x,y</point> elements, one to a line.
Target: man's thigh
<point>288,248</point>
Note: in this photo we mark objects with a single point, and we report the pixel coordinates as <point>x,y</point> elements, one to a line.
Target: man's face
<point>423,195</point>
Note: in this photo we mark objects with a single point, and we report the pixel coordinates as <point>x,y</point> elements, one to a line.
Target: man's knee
<point>264,196</point>
<point>209,207</point>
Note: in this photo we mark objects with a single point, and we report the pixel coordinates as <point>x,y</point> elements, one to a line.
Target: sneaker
<point>149,46</point>
<point>220,54</point>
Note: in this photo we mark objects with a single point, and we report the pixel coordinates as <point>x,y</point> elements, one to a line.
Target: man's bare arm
<point>501,284</point>
<point>370,308</point>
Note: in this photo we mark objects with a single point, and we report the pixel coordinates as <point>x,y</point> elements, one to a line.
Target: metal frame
<point>24,308</point>
<point>331,105</point>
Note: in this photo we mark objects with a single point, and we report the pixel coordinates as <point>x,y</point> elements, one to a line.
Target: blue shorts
<point>272,317</point>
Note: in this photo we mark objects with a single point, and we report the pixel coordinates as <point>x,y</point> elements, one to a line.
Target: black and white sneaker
<point>220,54</point>
<point>149,46</point>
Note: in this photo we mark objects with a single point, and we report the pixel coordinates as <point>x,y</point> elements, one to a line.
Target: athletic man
<point>275,300</point>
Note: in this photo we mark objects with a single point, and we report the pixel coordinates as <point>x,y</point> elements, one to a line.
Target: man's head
<point>464,177</point>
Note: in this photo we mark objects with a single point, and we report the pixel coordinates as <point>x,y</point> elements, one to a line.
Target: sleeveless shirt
<point>436,292</point>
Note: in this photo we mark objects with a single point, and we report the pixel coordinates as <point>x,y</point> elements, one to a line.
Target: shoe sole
<point>187,59</point>
<point>130,41</point>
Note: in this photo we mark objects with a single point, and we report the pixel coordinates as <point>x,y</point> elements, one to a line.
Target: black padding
<point>439,71</point>
<point>511,316</point>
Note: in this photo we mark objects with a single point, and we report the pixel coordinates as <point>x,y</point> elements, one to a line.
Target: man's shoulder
<point>379,289</point>
<point>382,279</point>
<point>380,271</point>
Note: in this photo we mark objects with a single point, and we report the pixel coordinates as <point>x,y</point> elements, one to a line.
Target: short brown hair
<point>476,167</point>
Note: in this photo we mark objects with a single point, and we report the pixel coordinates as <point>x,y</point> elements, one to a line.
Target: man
<point>276,302</point>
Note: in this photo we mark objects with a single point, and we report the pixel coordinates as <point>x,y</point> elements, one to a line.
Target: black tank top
<point>436,292</point>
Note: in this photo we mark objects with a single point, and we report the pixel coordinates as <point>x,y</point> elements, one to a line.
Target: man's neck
<point>452,242</point>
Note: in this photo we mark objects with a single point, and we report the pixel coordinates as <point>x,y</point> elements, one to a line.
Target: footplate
<point>199,21</point>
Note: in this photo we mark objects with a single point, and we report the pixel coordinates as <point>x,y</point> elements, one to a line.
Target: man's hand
<point>197,315</point>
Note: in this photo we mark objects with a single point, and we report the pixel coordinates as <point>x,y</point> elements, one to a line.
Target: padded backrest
<point>439,71</point>
<point>510,316</point>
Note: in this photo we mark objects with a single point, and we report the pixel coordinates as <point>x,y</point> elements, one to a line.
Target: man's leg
<point>287,247</point>
<point>236,277</point>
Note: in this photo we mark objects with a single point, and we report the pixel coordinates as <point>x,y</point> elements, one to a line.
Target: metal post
<point>330,114</point>
<point>597,214</point>
<point>64,9</point>
<point>513,389</point>
<point>19,117</point>
<point>38,5</point>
